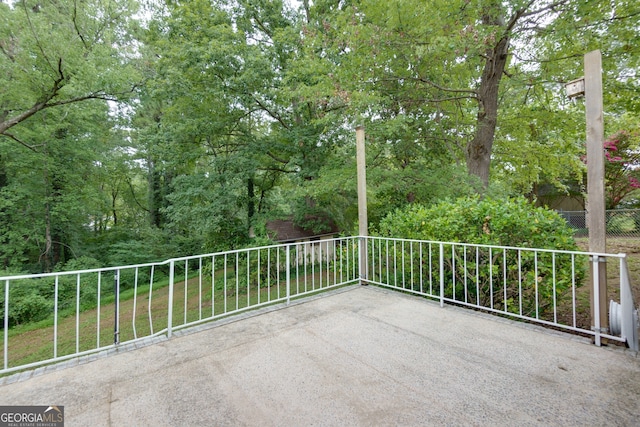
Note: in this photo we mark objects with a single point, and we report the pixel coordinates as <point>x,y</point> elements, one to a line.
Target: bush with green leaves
<point>28,301</point>
<point>525,282</point>
<point>502,222</point>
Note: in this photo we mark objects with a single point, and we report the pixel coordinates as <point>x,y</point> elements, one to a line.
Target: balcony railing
<point>547,287</point>
<point>57,316</point>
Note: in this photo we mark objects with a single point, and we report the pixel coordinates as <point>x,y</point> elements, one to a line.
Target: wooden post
<point>363,227</point>
<point>595,180</point>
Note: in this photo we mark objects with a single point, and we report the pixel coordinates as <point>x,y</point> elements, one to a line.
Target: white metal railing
<point>548,287</point>
<point>83,312</point>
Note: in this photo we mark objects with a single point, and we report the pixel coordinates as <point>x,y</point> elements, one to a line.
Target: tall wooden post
<point>363,227</point>
<point>595,187</point>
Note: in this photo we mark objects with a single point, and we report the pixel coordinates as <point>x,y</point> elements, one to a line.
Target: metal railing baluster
<point>6,324</point>
<point>135,301</point>
<point>149,303</point>
<point>539,277</point>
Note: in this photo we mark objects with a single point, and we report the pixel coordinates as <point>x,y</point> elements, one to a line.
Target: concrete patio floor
<point>358,356</point>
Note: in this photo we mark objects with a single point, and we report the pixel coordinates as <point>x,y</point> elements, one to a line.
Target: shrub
<point>502,222</point>
<point>529,283</point>
<point>28,301</point>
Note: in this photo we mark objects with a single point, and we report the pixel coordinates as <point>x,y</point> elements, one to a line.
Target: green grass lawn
<point>145,312</point>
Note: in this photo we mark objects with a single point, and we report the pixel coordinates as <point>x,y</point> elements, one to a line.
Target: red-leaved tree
<point>622,166</point>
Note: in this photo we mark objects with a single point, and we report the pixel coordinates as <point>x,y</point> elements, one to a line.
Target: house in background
<point>287,231</point>
<point>551,197</point>
<point>570,204</point>
<point>316,247</point>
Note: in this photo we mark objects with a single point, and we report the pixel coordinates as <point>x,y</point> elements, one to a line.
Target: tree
<point>49,194</point>
<point>458,67</point>
<point>622,166</point>
<point>194,122</point>
<point>61,62</point>
<point>59,53</point>
<point>239,111</point>
<point>236,115</point>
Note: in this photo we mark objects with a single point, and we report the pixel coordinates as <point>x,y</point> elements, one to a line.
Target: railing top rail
<point>600,254</point>
<point>241,250</point>
<point>159,263</point>
<point>256,248</point>
<point>75,272</point>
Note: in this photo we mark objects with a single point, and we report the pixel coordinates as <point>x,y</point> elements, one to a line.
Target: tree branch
<point>268,111</point>
<point>45,103</point>
<point>273,156</point>
<point>473,93</point>
<point>133,194</point>
<point>74,18</point>
<point>451,98</point>
<point>38,106</point>
<point>546,8</point>
<point>275,169</point>
<point>35,35</point>
<point>6,51</point>
<point>30,147</point>
<point>261,25</point>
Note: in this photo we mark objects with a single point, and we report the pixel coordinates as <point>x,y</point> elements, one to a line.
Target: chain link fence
<point>620,222</point>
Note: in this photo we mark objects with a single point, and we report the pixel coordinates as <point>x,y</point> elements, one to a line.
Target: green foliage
<point>149,245</point>
<point>538,143</point>
<point>244,110</point>
<point>511,222</point>
<point>207,213</point>
<point>60,62</point>
<point>81,263</point>
<point>526,282</point>
<point>58,53</point>
<point>29,302</point>
<point>622,166</point>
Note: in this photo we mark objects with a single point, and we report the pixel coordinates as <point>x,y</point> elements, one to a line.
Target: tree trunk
<point>155,195</point>
<point>478,153</point>
<point>251,205</point>
<point>114,200</point>
<point>45,257</point>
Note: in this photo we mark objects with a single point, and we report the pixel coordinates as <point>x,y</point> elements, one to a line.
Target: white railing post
<point>364,261</point>
<point>170,308</point>
<point>116,325</point>
<point>77,313</point>
<point>6,324</point>
<point>441,275</point>
<point>629,321</point>
<point>596,300</point>
<point>56,287</point>
<point>288,272</point>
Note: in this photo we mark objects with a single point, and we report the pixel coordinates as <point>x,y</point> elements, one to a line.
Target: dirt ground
<point>628,246</point>
<point>631,247</point>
